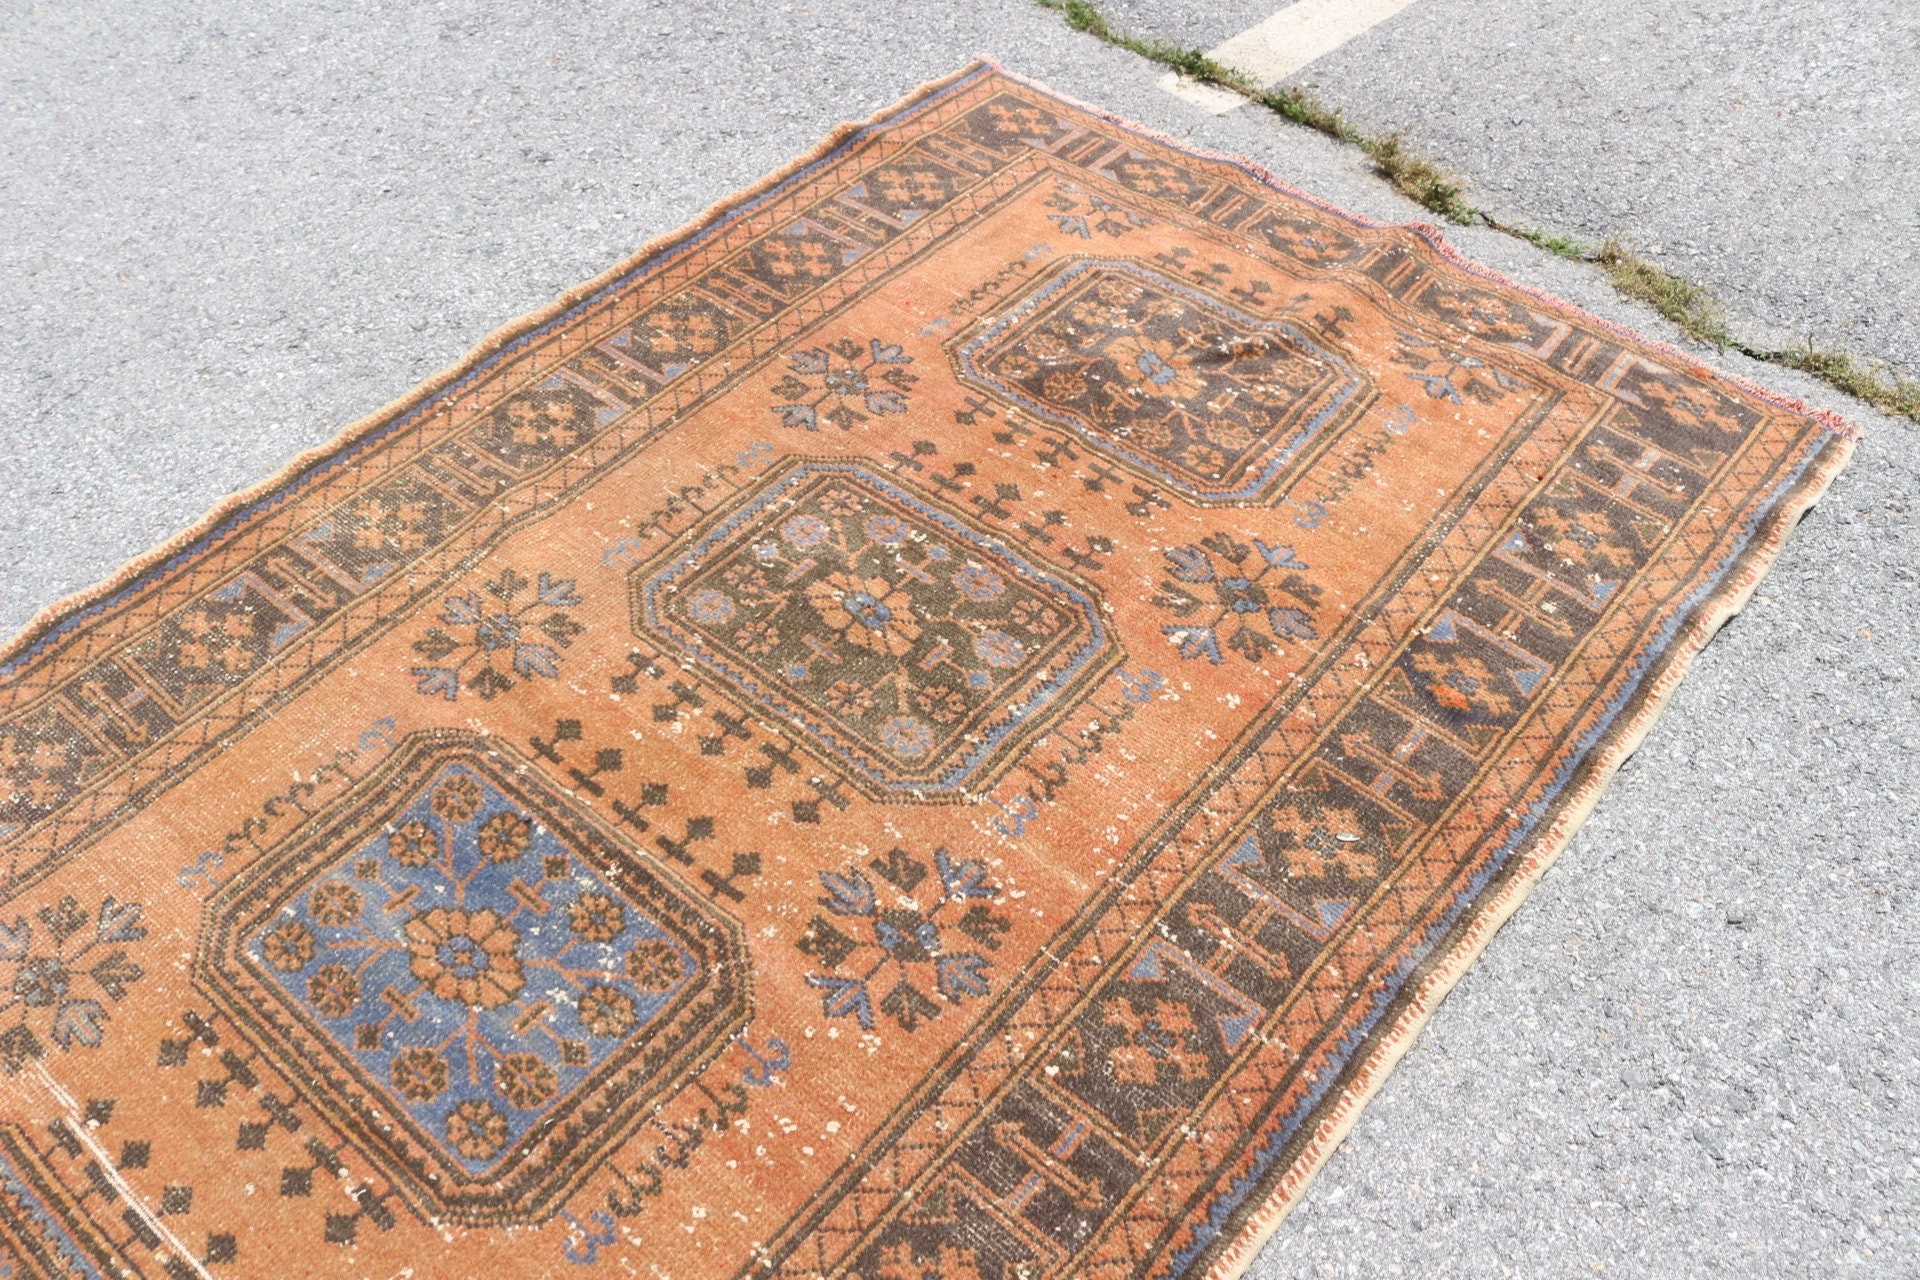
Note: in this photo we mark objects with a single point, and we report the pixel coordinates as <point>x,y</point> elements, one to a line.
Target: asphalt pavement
<point>232,228</point>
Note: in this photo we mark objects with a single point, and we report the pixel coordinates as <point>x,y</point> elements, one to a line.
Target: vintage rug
<point>949,721</point>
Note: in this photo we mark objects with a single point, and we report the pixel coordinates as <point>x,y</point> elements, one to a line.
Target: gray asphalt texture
<point>233,228</point>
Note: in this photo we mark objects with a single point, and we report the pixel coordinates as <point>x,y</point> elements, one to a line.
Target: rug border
<point>1232,1255</point>
<point>1364,1075</point>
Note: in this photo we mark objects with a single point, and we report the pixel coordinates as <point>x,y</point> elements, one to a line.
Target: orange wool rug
<point>950,720</point>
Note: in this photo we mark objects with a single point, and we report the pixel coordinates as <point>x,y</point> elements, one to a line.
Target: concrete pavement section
<point>233,227</point>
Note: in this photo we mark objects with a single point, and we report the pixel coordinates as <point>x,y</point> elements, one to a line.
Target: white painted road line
<point>1272,50</point>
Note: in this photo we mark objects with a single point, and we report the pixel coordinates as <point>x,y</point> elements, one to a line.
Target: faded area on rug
<point>948,721</point>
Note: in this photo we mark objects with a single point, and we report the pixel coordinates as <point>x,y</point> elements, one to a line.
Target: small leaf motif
<point>559,593</point>
<point>462,611</point>
<point>962,975</point>
<point>444,681</point>
<point>1294,624</point>
<point>1189,564</point>
<point>1195,642</point>
<point>64,919</point>
<point>115,974</point>
<point>119,921</point>
<point>848,895</point>
<point>965,879</point>
<point>845,997</point>
<point>1278,557</point>
<point>811,361</point>
<point>79,1021</point>
<point>801,416</point>
<point>536,660</point>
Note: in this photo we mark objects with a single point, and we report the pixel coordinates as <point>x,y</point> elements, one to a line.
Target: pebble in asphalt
<point>231,231</point>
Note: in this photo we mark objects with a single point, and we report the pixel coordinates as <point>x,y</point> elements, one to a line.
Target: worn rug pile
<point>949,721</point>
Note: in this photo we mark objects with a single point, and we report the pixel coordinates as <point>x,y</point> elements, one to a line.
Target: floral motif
<point>1449,373</point>
<point>37,770</point>
<point>468,957</point>
<point>335,902</point>
<point>505,836</point>
<point>1079,212</point>
<point>288,947</point>
<point>333,990</point>
<point>1234,595</point>
<point>411,844</point>
<point>596,917</point>
<point>942,703</point>
<point>477,1130</point>
<point>223,640</point>
<point>1310,240</point>
<point>1464,684</point>
<point>1332,843</point>
<point>655,965</point>
<point>1156,367</point>
<point>419,1074</point>
<point>796,259</point>
<point>498,635</point>
<point>606,1012</point>
<point>907,737</point>
<point>1481,312</point>
<point>886,951</point>
<point>525,1081</point>
<point>870,612</point>
<point>1009,122</point>
<point>1686,402</point>
<point>57,966</point>
<point>1597,540</point>
<point>998,649</point>
<point>677,334</point>
<point>844,384</point>
<point>849,698</point>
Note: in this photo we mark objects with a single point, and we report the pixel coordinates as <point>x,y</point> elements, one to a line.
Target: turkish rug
<point>947,722</point>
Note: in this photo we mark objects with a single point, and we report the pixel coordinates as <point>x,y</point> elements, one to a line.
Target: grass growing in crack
<point>1885,390</point>
<point>1685,303</point>
<point>1564,246</point>
<point>1418,178</point>
<point>1302,107</point>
